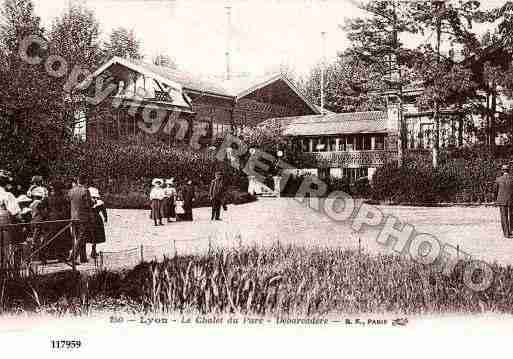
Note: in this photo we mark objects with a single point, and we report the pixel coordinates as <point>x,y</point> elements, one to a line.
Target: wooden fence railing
<point>9,250</point>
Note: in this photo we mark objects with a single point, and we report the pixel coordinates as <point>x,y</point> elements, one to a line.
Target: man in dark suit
<point>504,200</point>
<point>81,209</point>
<point>216,194</point>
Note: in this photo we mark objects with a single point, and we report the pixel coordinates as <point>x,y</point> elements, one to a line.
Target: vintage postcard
<point>276,177</point>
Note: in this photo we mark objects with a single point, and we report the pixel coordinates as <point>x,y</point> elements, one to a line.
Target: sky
<point>264,33</point>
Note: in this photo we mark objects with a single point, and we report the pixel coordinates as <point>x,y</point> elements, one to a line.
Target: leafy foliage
<point>466,176</point>
<point>123,43</point>
<point>347,85</point>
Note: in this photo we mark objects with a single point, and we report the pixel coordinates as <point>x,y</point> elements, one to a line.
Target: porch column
<point>373,143</point>
<point>337,144</point>
<point>310,144</point>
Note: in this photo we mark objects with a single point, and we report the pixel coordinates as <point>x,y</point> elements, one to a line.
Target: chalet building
<point>181,101</point>
<point>354,145</point>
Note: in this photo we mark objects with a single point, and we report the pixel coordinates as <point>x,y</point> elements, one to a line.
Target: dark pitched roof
<point>334,124</point>
<point>234,88</point>
<point>187,80</point>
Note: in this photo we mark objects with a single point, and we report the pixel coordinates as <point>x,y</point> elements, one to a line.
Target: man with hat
<point>504,201</point>
<point>9,210</point>
<point>81,207</point>
<point>156,196</point>
<point>216,195</point>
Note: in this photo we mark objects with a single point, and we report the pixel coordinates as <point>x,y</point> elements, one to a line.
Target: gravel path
<point>475,229</point>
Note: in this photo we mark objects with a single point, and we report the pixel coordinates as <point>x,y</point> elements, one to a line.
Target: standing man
<point>504,200</point>
<point>216,195</point>
<point>81,207</point>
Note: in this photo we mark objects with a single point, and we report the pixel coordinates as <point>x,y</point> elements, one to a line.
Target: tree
<point>75,36</point>
<point>377,42</point>
<point>348,82</point>
<point>29,97</point>
<point>444,81</point>
<point>123,43</point>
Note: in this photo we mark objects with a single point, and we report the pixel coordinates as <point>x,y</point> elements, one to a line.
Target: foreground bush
<point>274,281</point>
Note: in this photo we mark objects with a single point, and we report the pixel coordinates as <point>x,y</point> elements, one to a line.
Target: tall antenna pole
<point>323,35</point>
<point>228,38</point>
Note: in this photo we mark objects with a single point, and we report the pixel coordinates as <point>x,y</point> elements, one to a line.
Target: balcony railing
<point>360,158</point>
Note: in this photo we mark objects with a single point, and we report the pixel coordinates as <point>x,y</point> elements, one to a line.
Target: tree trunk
<point>436,140</point>
<point>493,131</point>
<point>436,143</point>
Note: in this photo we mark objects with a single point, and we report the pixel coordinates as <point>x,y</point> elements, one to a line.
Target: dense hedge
<point>465,176</point>
<point>123,170</point>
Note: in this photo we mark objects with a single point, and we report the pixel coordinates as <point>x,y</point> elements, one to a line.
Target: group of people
<point>169,202</point>
<point>175,204</point>
<point>42,206</point>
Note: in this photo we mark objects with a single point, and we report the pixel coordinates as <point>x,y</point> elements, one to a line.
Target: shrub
<point>361,188</point>
<point>466,175</point>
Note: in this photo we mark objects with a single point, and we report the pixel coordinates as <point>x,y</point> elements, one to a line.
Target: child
<point>179,206</point>
<point>156,197</point>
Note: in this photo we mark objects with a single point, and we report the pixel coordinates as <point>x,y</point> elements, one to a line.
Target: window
<point>333,144</point>
<point>354,174</point>
<point>367,142</point>
<point>379,142</point>
<point>359,142</point>
<point>342,144</point>
<point>325,141</point>
<point>350,143</point>
<point>304,144</point>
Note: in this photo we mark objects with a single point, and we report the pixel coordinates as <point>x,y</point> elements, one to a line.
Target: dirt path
<point>475,229</point>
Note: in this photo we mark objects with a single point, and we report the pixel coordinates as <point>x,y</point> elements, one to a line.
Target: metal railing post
<point>75,244</point>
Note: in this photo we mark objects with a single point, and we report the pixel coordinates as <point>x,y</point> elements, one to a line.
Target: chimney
<point>228,40</point>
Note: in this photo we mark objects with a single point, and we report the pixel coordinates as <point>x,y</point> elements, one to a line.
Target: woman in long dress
<point>100,217</point>
<point>9,210</point>
<point>170,192</point>
<point>40,213</point>
<point>188,194</point>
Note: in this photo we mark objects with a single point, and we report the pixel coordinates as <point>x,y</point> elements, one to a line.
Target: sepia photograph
<point>304,173</point>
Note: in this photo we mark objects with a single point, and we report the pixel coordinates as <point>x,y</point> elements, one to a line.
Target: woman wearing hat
<point>164,205</point>
<point>25,216</point>
<point>170,192</point>
<point>188,196</point>
<point>98,228</point>
<point>9,210</point>
<point>37,183</point>
<point>156,196</point>
<point>39,210</point>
